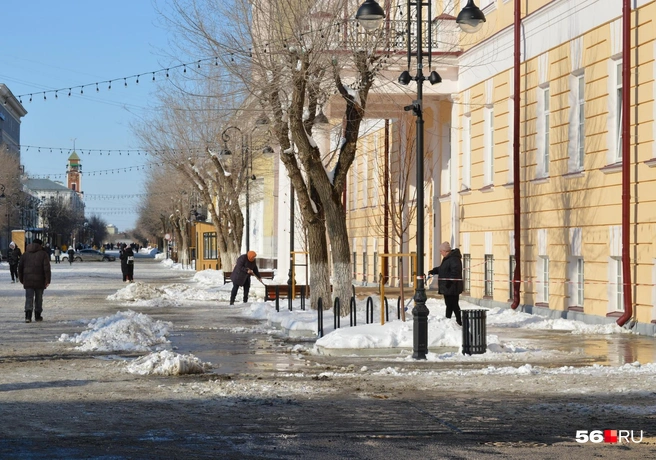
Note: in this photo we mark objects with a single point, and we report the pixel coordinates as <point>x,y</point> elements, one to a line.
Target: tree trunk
<point>341,257</point>
<point>320,272</point>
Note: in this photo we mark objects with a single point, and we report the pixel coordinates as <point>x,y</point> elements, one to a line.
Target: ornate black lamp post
<point>371,15</point>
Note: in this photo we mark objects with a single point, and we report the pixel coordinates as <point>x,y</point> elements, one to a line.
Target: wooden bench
<point>265,274</point>
<point>283,291</point>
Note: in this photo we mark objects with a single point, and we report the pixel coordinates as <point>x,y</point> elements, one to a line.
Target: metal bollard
<point>303,298</point>
<point>320,317</point>
<point>277,298</point>
<point>369,312</point>
<point>353,313</point>
<point>474,330</point>
<point>337,312</point>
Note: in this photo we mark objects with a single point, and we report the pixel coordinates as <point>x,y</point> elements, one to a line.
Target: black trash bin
<point>474,338</point>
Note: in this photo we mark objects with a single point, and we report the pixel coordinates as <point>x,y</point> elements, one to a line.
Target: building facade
<point>570,162</point>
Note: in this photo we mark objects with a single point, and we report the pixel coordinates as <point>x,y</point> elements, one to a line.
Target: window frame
<point>466,272</point>
<point>489,275</point>
<point>210,246</point>
<point>580,147</point>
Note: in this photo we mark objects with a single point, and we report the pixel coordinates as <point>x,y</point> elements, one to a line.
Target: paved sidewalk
<point>265,398</point>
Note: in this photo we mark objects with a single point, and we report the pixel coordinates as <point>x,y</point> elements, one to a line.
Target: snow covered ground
<point>130,331</point>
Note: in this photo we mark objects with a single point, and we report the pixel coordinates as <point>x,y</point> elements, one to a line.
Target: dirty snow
<point>124,331</point>
<point>167,363</point>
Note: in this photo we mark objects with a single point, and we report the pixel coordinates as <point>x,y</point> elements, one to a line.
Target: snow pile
<point>124,331</point>
<point>442,332</point>
<point>191,292</point>
<point>160,256</point>
<point>209,278</point>
<point>168,363</point>
<point>135,291</point>
<point>503,317</point>
<point>168,263</point>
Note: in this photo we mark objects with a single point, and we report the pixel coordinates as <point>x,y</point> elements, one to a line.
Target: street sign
<point>167,236</point>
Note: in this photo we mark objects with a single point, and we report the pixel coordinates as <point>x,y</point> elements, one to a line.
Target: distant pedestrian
<point>71,255</point>
<point>13,258</point>
<point>34,273</point>
<point>241,275</point>
<point>57,254</point>
<point>449,280</point>
<point>127,263</point>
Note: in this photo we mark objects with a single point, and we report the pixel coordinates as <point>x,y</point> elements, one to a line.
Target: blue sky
<point>49,45</point>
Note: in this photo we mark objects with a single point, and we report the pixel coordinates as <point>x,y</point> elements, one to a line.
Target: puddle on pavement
<point>235,353</point>
<point>605,350</point>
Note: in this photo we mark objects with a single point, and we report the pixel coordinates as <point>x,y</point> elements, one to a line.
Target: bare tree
<point>293,59</point>
<point>190,134</point>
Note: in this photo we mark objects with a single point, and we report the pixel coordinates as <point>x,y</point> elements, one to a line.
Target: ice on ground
<point>124,331</point>
<point>168,363</point>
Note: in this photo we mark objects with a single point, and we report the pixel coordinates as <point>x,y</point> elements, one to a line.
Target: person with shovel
<point>241,275</point>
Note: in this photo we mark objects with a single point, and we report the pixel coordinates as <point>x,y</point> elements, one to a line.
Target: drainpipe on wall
<point>517,276</point>
<point>626,162</point>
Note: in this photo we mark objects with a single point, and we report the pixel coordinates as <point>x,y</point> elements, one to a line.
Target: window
<point>466,153</point>
<point>354,185</point>
<point>209,246</point>
<point>466,272</point>
<point>546,115</point>
<point>489,146</point>
<point>489,275</point>
<point>544,279</point>
<point>618,105</point>
<point>581,122</point>
<point>375,265</point>
<point>619,280</point>
<point>364,266</point>
<point>511,271</point>
<point>355,265</point>
<point>579,282</point>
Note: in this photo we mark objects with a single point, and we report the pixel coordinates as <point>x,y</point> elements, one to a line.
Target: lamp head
<point>434,78</point>
<point>370,15</point>
<point>405,78</point>
<point>471,18</point>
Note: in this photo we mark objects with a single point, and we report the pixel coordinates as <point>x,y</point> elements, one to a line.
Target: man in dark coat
<point>34,274</point>
<point>71,255</point>
<point>127,263</point>
<point>241,275</point>
<point>449,280</point>
<point>13,257</point>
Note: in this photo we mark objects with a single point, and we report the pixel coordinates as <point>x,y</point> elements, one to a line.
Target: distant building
<point>111,229</point>
<point>11,112</point>
<point>45,190</point>
<point>74,173</point>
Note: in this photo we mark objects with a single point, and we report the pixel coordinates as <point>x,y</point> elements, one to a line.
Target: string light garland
<point>101,172</point>
<point>213,60</point>
<point>108,152</point>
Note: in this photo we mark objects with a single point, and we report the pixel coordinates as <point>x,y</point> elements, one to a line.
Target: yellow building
<point>570,161</point>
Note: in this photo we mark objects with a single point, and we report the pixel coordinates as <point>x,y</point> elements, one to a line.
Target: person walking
<point>57,254</point>
<point>13,258</point>
<point>34,274</point>
<point>449,281</point>
<point>241,275</point>
<point>127,263</point>
<point>71,255</point>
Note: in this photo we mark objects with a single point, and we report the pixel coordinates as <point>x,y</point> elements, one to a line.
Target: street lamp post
<point>3,196</point>
<point>370,15</point>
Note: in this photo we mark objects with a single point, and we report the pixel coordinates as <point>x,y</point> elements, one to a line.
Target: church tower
<point>74,173</point>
